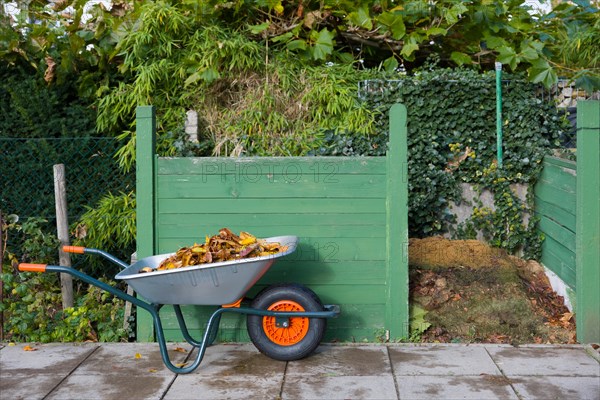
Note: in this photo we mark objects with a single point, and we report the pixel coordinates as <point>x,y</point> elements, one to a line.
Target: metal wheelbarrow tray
<point>284,321</point>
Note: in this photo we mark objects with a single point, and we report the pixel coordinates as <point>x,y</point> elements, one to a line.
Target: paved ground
<point>237,371</point>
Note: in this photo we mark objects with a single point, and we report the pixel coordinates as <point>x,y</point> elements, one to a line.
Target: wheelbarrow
<point>284,321</point>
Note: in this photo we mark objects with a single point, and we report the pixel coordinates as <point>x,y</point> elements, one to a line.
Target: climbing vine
<point>452,140</point>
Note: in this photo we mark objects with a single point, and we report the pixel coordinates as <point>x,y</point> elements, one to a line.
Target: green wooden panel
<point>559,260</point>
<point>560,198</point>
<point>396,317</point>
<point>320,272</point>
<point>313,248</point>
<point>318,169</point>
<point>558,233</point>
<point>317,229</point>
<point>560,162</point>
<point>266,206</point>
<point>213,186</point>
<point>145,191</point>
<point>350,215</point>
<point>588,221</point>
<point>238,222</point>
<point>559,177</point>
<point>555,213</point>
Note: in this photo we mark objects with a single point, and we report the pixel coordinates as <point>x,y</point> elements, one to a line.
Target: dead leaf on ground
<point>29,348</point>
<point>180,350</point>
<point>137,356</point>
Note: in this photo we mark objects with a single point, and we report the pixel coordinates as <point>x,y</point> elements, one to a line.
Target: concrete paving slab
<point>544,361</point>
<point>480,387</point>
<point>34,374</point>
<point>132,359</point>
<point>112,387</point>
<point>343,361</point>
<point>557,387</point>
<point>62,358</point>
<point>227,360</point>
<point>459,360</point>
<point>16,386</point>
<point>339,387</point>
<point>196,386</point>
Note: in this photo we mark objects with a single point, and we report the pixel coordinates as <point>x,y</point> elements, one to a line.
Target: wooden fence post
<point>397,225</point>
<point>588,222</point>
<point>62,229</point>
<point>145,164</point>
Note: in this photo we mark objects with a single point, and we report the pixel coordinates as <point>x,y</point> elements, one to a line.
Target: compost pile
<point>464,291</point>
<point>226,246</point>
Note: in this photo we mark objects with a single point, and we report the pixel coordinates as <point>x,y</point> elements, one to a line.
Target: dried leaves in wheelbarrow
<point>226,246</point>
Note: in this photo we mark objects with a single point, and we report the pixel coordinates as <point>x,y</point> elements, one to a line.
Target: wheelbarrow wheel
<point>297,337</point>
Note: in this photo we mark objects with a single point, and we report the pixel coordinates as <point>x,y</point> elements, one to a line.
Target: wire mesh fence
<point>26,171</point>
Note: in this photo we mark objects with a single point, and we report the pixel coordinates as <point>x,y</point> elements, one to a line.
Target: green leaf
<point>323,46</point>
<point>435,31</point>
<point>361,18</point>
<point>410,46</point>
<point>390,64</point>
<point>297,44</point>
<point>460,58</point>
<point>283,38</point>
<point>256,29</point>
<point>589,83</point>
<point>394,23</point>
<point>541,72</point>
<point>495,42</point>
<point>508,56</point>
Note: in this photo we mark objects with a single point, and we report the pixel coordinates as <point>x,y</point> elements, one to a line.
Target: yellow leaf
<point>152,370</point>
<point>29,348</point>
<point>180,349</point>
<point>181,365</point>
<point>138,355</point>
<point>11,344</point>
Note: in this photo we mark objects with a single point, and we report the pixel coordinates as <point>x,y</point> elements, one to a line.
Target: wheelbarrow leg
<point>211,329</point>
<point>201,346</point>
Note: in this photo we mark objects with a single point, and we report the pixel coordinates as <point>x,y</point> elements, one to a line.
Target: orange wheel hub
<point>294,332</point>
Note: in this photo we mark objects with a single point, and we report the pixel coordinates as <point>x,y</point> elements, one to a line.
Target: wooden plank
<point>264,206</point>
<point>396,318</point>
<point>557,232</point>
<point>319,169</point>
<point>557,214</point>
<point>315,230</point>
<point>352,272</point>
<point>312,248</point>
<point>559,177</point>
<point>560,198</point>
<point>236,222</point>
<point>588,221</point>
<point>560,162</point>
<point>560,260</point>
<point>145,211</point>
<point>196,186</point>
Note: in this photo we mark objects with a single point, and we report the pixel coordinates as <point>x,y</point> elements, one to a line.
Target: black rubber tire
<point>316,328</point>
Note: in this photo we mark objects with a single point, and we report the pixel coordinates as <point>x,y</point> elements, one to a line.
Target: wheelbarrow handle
<point>26,267</point>
<point>74,249</point>
<point>87,250</point>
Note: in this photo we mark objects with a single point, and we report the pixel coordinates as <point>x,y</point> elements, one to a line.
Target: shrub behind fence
<point>26,168</point>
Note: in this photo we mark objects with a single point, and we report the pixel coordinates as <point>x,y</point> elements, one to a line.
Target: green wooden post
<point>145,165</point>
<point>588,222</point>
<point>397,226</point>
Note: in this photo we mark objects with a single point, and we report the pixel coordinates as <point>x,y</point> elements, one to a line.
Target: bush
<point>32,302</point>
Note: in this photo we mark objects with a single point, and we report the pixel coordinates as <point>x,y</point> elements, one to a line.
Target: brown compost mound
<point>473,293</point>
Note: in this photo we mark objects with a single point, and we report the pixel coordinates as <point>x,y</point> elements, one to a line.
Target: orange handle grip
<point>73,249</point>
<point>25,267</point>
